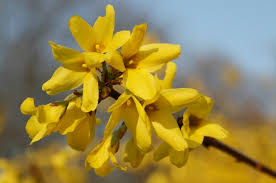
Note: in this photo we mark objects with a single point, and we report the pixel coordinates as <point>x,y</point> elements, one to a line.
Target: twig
<point>114,94</point>
<point>212,142</point>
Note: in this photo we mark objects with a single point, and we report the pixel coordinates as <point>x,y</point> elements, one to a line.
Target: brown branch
<point>114,94</point>
<point>241,157</point>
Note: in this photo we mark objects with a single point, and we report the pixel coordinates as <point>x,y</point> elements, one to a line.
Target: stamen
<point>84,65</point>
<point>128,102</point>
<point>98,47</point>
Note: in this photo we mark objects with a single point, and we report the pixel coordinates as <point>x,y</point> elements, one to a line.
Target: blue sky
<point>245,30</point>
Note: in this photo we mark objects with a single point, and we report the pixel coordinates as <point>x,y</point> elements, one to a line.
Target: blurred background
<point>228,53</point>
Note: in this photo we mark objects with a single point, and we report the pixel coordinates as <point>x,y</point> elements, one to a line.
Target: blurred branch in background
<point>239,156</point>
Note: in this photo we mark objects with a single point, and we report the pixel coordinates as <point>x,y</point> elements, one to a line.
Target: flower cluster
<point>61,165</point>
<point>146,105</point>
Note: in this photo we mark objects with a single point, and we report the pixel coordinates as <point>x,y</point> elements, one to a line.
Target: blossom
<point>78,126</point>
<point>129,109</point>
<point>79,68</point>
<point>68,120</point>
<point>167,101</point>
<point>141,60</point>
<point>132,154</point>
<point>100,156</point>
<point>43,120</point>
<point>195,127</point>
<point>156,113</point>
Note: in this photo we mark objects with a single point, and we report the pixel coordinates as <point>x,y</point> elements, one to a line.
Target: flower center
<point>150,108</point>
<point>194,121</point>
<point>99,47</point>
<point>128,103</point>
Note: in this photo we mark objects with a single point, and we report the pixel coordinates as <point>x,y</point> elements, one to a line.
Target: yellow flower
<point>99,158</point>
<point>79,127</point>
<point>79,68</point>
<point>194,129</point>
<point>159,112</point>
<point>43,120</point>
<point>196,126</point>
<point>128,108</point>
<point>156,113</point>
<point>141,60</point>
<point>68,120</point>
<point>177,158</point>
<point>132,154</point>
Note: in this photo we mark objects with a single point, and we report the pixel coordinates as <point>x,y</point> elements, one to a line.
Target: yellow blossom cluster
<point>60,166</point>
<point>146,106</point>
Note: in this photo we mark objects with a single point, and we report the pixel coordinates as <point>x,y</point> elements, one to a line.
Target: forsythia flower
<point>43,120</point>
<point>79,127</point>
<point>194,129</point>
<point>155,113</point>
<point>80,68</point>
<point>99,158</point>
<point>132,154</point>
<point>68,120</point>
<point>128,108</point>
<point>140,61</point>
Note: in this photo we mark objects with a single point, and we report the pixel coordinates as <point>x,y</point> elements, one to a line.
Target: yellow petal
<point>167,82</point>
<point>179,158</point>
<point>167,129</point>
<point>141,83</point>
<point>186,124</point>
<point>137,126</point>
<point>115,163</point>
<point>93,59</point>
<point>118,40</point>
<point>83,134</point>
<point>27,107</point>
<point>71,119</point>
<point>66,55</point>
<point>33,127</point>
<point>90,92</point>
<point>105,170</point>
<point>161,152</point>
<point>142,114</point>
<point>104,26</point>
<point>202,107</point>
<point>82,32</point>
<point>132,46</point>
<point>208,130</point>
<point>64,79</point>
<point>119,102</point>
<point>115,59</point>
<point>100,154</point>
<point>152,57</point>
<point>49,113</point>
<point>42,131</point>
<point>132,154</point>
<point>40,134</point>
<point>176,99</point>
<point>114,119</point>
